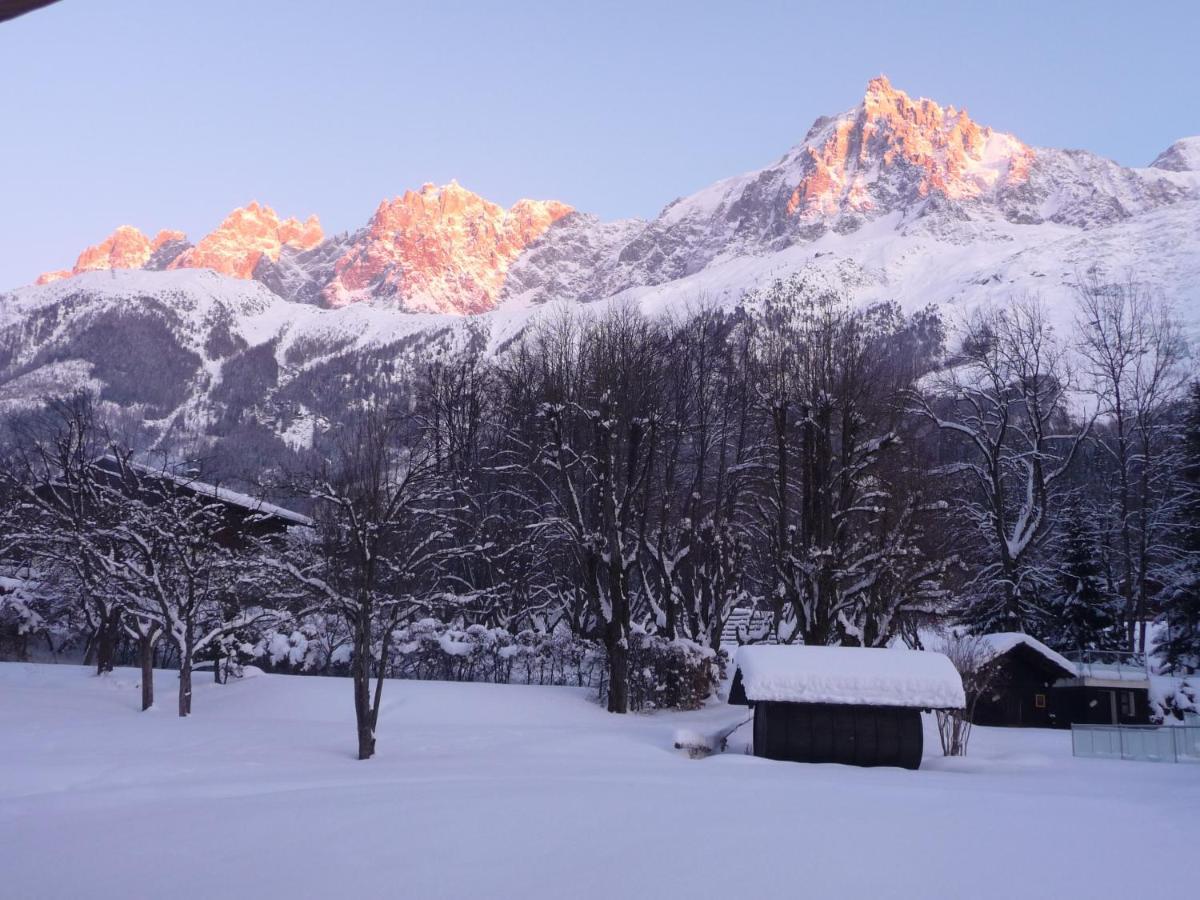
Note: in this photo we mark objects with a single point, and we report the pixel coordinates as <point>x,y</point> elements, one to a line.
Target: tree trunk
<point>361,676</point>
<point>617,646</point>
<point>362,711</point>
<point>106,642</point>
<point>185,683</point>
<point>89,650</point>
<point>146,654</point>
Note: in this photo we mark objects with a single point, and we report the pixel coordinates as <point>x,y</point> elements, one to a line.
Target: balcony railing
<point>1114,665</point>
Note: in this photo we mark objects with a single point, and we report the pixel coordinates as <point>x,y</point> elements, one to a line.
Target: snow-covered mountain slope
<point>193,354</point>
<point>1181,156</point>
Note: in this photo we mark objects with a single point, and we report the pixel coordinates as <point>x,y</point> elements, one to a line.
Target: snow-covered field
<point>498,791</point>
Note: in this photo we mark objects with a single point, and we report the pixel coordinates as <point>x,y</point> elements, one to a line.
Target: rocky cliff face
<point>247,235</point>
<point>444,250</point>
<point>440,249</point>
<point>125,248</point>
<point>894,151</point>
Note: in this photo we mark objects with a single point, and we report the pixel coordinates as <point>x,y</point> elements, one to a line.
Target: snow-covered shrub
<point>1172,706</point>
<point>32,616</point>
<point>670,674</point>
<point>308,647</point>
<point>430,648</point>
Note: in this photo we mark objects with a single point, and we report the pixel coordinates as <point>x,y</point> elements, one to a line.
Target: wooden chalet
<point>1034,686</point>
<point>245,517</point>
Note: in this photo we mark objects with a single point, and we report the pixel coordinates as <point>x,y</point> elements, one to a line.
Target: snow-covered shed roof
<point>1003,642</point>
<point>860,676</point>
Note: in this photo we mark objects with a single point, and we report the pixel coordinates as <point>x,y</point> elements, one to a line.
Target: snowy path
<point>496,791</point>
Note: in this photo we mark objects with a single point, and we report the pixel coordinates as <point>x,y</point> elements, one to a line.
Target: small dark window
<point>1039,700</point>
<point>1128,704</point>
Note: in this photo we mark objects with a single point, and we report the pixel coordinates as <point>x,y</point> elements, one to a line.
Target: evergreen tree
<point>1085,616</point>
<point>1181,596</point>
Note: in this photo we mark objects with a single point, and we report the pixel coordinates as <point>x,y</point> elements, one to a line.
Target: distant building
<point>246,517</point>
<point>1034,686</point>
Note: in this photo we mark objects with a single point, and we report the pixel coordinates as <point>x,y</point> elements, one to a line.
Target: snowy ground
<point>497,791</point>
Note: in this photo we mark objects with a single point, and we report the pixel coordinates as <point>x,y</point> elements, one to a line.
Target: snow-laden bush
<point>31,616</point>
<point>1172,706</point>
<point>665,674</point>
<point>670,674</point>
<point>430,648</point>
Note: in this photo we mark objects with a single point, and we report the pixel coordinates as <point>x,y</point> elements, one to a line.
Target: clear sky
<point>169,114</point>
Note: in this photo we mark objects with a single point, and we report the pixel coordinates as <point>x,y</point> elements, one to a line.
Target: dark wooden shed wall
<point>835,733</point>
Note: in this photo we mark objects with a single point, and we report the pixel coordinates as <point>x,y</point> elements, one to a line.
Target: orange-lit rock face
<point>56,275</point>
<point>125,248</point>
<point>246,235</point>
<point>442,249</point>
<point>935,150</point>
<point>166,236</point>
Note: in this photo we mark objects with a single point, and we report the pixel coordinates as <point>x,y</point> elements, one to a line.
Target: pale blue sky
<point>169,114</point>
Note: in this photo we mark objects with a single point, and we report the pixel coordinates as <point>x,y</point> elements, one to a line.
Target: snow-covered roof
<point>245,501</point>
<point>861,676</point>
<point>1002,642</point>
<point>224,495</point>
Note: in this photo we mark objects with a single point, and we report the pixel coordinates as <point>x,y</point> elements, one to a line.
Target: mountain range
<point>897,198</point>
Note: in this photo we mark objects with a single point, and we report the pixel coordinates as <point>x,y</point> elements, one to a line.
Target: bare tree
<point>1004,402</point>
<point>692,526</point>
<point>174,561</point>
<point>1133,353</point>
<point>382,535</point>
<point>839,524</point>
<point>64,514</point>
<point>584,467</point>
<point>972,658</point>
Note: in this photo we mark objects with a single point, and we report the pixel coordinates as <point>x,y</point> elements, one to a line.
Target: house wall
<point>1087,705</point>
<point>1022,695</point>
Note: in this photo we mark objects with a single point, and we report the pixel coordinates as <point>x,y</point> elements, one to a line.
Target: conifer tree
<point>1180,649</point>
<point>1085,617</point>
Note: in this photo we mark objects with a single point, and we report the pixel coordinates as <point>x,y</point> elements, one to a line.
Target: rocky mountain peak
<point>1181,156</point>
<point>440,249</point>
<point>247,235</point>
<point>893,148</point>
<point>125,248</point>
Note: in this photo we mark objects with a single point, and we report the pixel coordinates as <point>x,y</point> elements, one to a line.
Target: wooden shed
<point>853,705</point>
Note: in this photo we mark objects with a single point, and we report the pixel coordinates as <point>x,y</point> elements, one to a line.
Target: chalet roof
<point>1004,642</point>
<point>235,498</point>
<point>860,676</point>
<point>221,494</point>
